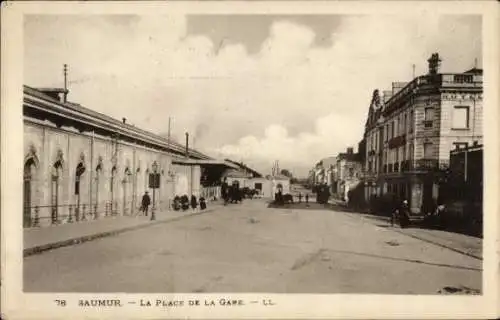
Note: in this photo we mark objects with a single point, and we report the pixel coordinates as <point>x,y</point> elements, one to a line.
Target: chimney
<point>350,150</point>
<point>434,63</point>
<point>124,120</point>
<point>187,145</point>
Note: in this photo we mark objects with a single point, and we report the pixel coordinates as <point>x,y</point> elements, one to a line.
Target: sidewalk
<point>37,240</point>
<point>464,244</point>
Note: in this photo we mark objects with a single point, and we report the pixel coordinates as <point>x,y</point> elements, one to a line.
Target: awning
<point>204,162</point>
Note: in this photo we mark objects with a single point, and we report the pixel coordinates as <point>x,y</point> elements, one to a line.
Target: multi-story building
<point>348,172</point>
<point>410,131</point>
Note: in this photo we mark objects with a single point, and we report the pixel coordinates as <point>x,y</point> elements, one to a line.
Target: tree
<point>286,173</point>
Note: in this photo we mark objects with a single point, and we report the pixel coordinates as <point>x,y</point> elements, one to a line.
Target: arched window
<point>112,181</point>
<point>80,169</point>
<point>127,174</point>
<point>146,178</point>
<point>98,173</point>
<point>29,166</point>
<point>112,188</point>
<point>56,176</point>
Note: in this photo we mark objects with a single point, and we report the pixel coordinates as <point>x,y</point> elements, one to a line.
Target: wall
<point>102,189</point>
<point>448,134</point>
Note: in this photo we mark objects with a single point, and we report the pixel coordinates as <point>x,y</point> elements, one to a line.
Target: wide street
<point>251,248</point>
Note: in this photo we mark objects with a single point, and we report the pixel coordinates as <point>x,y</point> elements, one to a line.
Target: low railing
<point>44,215</point>
<point>210,192</point>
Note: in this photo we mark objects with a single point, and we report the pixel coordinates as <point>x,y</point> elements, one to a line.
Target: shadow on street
<point>301,206</point>
<point>468,228</point>
<point>465,228</point>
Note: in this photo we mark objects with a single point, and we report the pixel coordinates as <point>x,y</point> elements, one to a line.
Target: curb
<point>79,240</point>
<point>466,253</point>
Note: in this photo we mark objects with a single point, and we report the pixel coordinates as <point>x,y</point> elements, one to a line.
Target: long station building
<point>80,164</point>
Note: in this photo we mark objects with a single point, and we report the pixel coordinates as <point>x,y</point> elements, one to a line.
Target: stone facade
<point>409,136</point>
<point>347,170</point>
<point>81,165</point>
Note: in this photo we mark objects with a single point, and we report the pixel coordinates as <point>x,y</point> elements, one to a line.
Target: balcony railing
<point>418,165</point>
<point>397,141</point>
<point>429,164</point>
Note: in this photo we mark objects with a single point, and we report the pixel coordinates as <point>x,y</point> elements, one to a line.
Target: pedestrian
<point>404,214</point>
<point>307,197</point>
<point>194,203</point>
<point>146,201</point>
<point>300,197</point>
<point>203,204</point>
<point>225,191</point>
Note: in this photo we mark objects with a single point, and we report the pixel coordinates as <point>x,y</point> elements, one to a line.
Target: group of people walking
<point>231,194</point>
<point>178,203</point>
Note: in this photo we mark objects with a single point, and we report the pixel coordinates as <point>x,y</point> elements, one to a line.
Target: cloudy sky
<point>254,88</point>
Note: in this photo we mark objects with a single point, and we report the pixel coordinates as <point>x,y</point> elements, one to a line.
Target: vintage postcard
<point>250,160</point>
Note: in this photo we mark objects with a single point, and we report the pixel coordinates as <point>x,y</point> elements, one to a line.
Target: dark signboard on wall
<point>154,180</point>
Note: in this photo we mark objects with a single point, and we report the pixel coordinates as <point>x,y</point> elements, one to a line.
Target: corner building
<point>411,129</point>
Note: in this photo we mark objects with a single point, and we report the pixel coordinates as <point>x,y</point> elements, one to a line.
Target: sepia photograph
<point>273,152</point>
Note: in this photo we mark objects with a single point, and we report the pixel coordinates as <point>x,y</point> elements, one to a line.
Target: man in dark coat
<point>146,201</point>
<point>224,191</point>
<point>194,202</point>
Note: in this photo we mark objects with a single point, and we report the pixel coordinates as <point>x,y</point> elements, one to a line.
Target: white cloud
<point>292,101</point>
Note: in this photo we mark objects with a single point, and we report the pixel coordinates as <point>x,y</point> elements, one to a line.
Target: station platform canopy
<point>206,163</point>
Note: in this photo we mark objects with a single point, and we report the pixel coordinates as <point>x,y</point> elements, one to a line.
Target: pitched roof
<point>237,174</point>
<point>475,71</point>
<point>245,167</point>
<point>70,109</point>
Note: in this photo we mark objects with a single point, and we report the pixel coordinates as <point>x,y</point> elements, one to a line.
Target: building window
<point>428,117</point>
<point>428,151</point>
<point>80,169</point>
<point>460,117</point>
<point>392,128</point>
<point>404,123</point>
<point>411,122</point>
<point>429,114</point>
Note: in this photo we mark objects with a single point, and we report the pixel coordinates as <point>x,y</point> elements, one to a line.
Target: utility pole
<point>65,73</point>
<point>187,145</point>
<point>168,136</point>
<point>413,71</point>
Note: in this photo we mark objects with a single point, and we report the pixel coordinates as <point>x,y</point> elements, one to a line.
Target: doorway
<point>55,186</point>
<point>27,192</point>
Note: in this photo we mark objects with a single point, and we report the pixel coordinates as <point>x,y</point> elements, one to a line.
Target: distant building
<point>411,129</point>
<point>250,178</point>
<point>348,170</point>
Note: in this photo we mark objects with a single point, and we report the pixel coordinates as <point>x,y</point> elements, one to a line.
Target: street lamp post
<point>154,182</point>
